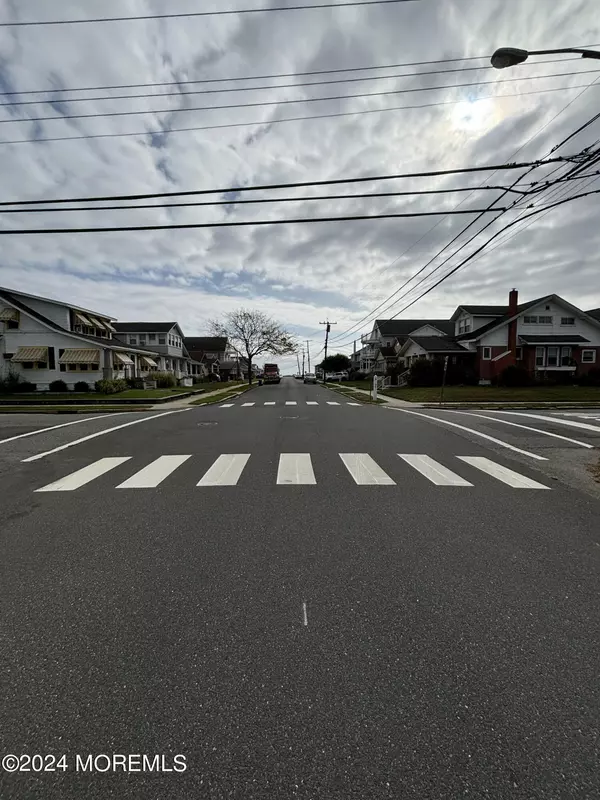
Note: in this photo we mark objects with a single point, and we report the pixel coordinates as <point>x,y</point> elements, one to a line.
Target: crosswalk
<point>297,469</point>
<point>290,403</point>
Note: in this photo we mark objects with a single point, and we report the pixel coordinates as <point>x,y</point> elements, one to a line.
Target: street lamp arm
<point>584,53</point>
<point>511,56</point>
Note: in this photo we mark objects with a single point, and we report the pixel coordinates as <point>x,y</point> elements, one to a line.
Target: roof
<point>595,313</point>
<point>218,343</point>
<point>551,339</point>
<point>482,311</point>
<point>4,290</point>
<point>387,352</point>
<point>404,327</point>
<point>498,321</point>
<point>144,327</point>
<point>113,344</point>
<point>438,344</point>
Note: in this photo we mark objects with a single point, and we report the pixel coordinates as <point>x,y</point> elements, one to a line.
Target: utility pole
<point>298,362</point>
<point>308,353</point>
<point>303,355</point>
<point>327,330</point>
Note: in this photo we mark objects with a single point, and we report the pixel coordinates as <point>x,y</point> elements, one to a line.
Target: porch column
<point>107,368</point>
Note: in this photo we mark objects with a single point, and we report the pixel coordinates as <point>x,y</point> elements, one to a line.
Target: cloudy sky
<point>301,274</point>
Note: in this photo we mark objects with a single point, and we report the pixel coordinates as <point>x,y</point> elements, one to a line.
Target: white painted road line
<point>354,404</point>
<point>569,422</point>
<point>311,403</point>
<point>244,405</point>
<point>475,433</point>
<point>154,473</point>
<point>85,475</point>
<point>52,427</point>
<point>291,403</point>
<point>503,474</point>
<point>295,468</point>
<point>102,433</point>
<point>227,405</point>
<point>434,471</point>
<point>525,427</point>
<point>364,470</point>
<point>225,471</point>
<point>270,403</point>
<point>332,403</point>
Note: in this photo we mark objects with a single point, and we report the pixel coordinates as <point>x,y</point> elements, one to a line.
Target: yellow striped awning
<point>8,313</point>
<point>150,362</point>
<point>96,323</point>
<point>83,320</point>
<point>24,354</point>
<point>109,326</point>
<point>80,356</point>
<point>123,358</point>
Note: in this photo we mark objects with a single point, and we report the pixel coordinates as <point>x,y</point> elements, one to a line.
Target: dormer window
<point>464,325</point>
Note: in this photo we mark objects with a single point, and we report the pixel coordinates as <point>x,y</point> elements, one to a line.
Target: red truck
<point>271,373</point>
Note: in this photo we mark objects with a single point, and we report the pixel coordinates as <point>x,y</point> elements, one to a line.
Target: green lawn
<point>491,394</point>
<point>151,394</point>
<point>355,396</point>
<point>70,409</point>
<point>216,398</point>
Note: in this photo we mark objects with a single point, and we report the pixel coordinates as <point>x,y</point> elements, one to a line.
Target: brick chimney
<point>513,302</point>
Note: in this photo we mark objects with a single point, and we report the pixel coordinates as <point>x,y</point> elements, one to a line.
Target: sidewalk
<point>390,401</point>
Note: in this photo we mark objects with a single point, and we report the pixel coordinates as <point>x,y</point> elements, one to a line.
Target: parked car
<point>337,376</point>
<point>310,377</point>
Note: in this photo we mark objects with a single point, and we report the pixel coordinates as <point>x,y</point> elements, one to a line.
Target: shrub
<point>26,386</point>
<point>58,386</point>
<point>425,372</point>
<point>82,386</point>
<point>357,375</point>
<point>111,387</point>
<point>164,380</point>
<point>137,383</point>
<point>590,378</point>
<point>514,376</point>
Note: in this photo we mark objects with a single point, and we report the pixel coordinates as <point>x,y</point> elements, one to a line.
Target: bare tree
<point>252,334</point>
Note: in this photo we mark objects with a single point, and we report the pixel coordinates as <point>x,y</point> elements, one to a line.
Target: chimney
<point>513,302</point>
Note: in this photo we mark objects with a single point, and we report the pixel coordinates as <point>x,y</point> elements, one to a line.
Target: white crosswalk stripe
<point>244,405</point>
<point>154,473</point>
<point>270,403</point>
<point>227,405</point>
<point>364,470</point>
<point>85,475</point>
<point>295,468</point>
<point>353,404</point>
<point>434,471</point>
<point>226,470</point>
<point>312,403</point>
<point>332,403</point>
<point>291,403</point>
<point>508,476</point>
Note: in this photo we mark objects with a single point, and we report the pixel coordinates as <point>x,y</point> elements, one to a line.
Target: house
<point>167,339</point>
<point>393,333</point>
<point>212,351</point>
<point>546,336</point>
<point>42,340</point>
<point>433,347</point>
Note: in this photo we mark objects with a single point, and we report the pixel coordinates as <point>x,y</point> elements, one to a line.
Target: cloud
<point>299,273</point>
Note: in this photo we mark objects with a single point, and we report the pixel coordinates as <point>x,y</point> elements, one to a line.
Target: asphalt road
<point>341,622</point>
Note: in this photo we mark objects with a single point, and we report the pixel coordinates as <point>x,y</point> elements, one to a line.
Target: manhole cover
<point>206,424</point>
<point>289,417</point>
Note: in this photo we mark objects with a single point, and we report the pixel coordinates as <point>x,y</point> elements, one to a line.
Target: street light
<point>511,56</point>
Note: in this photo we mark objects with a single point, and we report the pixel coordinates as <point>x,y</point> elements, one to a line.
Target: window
<point>84,367</point>
<point>12,324</point>
<point>567,320</point>
<point>545,320</point>
<point>142,340</point>
<point>553,356</point>
<point>464,326</point>
<point>588,356</point>
<point>529,320</point>
<point>162,340</point>
<point>152,337</point>
<point>35,365</point>
<point>519,354</point>
<point>565,357</point>
<point>133,340</point>
<point>540,356</point>
<point>487,353</point>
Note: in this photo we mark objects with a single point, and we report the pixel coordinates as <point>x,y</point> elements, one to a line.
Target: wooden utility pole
<point>327,330</point>
<point>308,353</point>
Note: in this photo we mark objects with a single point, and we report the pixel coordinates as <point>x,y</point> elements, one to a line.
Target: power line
<point>201,13</point>
<point>259,88</point>
<point>264,103</point>
<point>269,123</point>
<point>408,214</point>
<point>295,185</point>
<point>552,150</point>
<point>302,199</point>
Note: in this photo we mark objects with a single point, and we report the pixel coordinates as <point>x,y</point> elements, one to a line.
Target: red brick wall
<point>487,369</point>
<point>581,367</point>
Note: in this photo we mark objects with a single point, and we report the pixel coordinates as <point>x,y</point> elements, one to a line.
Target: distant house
<point>43,340</point>
<point>212,352</point>
<point>167,339</point>
<point>394,333</point>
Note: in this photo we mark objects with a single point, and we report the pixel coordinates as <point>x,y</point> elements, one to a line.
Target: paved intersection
<point>306,601</point>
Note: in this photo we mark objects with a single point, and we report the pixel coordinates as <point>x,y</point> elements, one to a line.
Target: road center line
<point>525,427</point>
<point>476,433</point>
<point>304,614</point>
<point>101,433</point>
<point>53,427</point>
